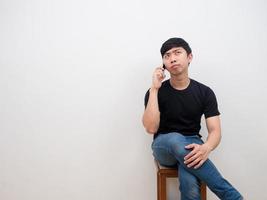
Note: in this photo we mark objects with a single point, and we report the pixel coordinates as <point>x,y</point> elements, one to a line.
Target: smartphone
<point>164,71</point>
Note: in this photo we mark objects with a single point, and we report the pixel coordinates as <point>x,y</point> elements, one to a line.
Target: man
<point>173,112</point>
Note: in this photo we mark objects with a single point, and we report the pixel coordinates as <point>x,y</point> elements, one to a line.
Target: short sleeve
<point>146,98</point>
<point>210,104</point>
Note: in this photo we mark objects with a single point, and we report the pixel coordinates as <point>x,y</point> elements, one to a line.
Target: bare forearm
<point>214,130</point>
<point>151,117</point>
<point>213,139</point>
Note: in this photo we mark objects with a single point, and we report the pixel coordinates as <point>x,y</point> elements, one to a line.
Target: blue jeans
<point>169,150</point>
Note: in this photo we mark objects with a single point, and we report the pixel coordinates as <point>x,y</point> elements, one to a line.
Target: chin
<point>177,73</point>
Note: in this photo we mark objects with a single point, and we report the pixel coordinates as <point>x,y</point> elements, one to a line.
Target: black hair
<point>175,42</point>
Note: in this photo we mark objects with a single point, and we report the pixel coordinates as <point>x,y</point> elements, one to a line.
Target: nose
<point>173,59</point>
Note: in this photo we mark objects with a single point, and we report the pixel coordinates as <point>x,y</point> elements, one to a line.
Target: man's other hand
<point>197,156</point>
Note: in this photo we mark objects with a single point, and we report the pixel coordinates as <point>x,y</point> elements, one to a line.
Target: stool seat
<point>163,173</point>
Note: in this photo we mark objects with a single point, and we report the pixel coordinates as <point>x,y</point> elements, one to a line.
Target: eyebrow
<point>178,48</point>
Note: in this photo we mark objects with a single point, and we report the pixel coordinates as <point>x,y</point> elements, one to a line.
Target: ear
<point>190,58</point>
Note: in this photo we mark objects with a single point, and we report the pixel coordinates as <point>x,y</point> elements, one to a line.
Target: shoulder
<point>198,84</point>
<point>201,87</point>
<point>203,91</point>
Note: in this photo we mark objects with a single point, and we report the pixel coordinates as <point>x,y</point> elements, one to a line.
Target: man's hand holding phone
<point>158,77</point>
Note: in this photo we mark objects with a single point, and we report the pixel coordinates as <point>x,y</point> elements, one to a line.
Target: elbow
<point>151,130</point>
<point>151,127</point>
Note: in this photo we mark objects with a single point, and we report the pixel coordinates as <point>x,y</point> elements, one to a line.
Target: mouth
<point>175,66</point>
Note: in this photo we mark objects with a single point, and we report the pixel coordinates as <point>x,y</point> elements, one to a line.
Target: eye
<point>166,56</point>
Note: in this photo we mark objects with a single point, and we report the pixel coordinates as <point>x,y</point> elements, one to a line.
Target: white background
<point>73,75</point>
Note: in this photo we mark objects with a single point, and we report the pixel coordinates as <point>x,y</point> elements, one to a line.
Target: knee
<point>178,149</point>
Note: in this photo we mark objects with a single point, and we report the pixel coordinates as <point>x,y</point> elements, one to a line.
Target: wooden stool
<point>163,173</point>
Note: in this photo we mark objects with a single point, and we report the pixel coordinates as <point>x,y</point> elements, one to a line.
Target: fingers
<point>191,158</point>
<point>191,146</point>
<point>161,67</point>
<point>158,77</point>
<point>159,72</point>
<point>194,163</point>
<point>199,164</point>
<point>188,156</point>
<point>196,157</point>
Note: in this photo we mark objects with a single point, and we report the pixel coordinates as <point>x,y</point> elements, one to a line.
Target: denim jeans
<point>169,150</point>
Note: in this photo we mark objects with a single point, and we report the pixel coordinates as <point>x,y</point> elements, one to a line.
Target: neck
<point>180,82</point>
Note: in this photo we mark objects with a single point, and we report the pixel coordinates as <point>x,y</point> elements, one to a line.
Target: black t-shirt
<point>181,110</point>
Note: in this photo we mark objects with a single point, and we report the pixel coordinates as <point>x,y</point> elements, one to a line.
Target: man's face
<point>176,60</point>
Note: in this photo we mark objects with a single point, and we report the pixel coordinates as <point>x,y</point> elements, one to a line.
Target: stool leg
<point>203,191</point>
<point>161,187</point>
<point>158,186</point>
